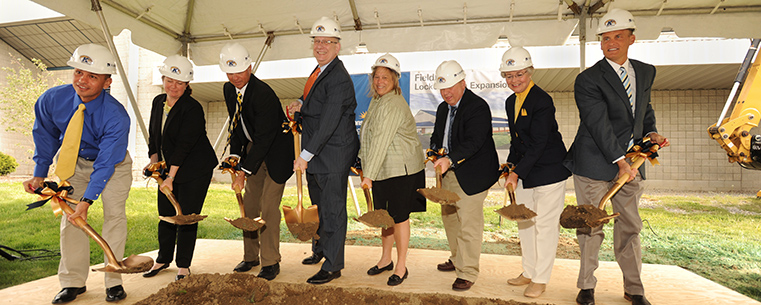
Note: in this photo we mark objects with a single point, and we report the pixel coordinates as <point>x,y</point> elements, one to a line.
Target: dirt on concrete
<point>240,289</point>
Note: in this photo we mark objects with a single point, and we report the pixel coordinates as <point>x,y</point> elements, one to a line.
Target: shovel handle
<point>438,176</point>
<point>366,190</point>
<point>620,182</point>
<point>299,184</point>
<point>170,195</point>
<point>79,222</point>
<point>510,193</point>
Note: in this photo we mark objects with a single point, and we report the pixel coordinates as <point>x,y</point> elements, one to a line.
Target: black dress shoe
<point>323,277</point>
<point>312,260</point>
<point>375,270</point>
<point>394,279</point>
<point>269,272</point>
<point>245,266</point>
<point>636,299</point>
<point>68,294</point>
<point>586,297</point>
<point>153,272</point>
<point>115,293</point>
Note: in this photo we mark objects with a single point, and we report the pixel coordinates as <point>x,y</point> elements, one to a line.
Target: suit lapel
<point>614,81</point>
<point>640,87</point>
<point>322,75</point>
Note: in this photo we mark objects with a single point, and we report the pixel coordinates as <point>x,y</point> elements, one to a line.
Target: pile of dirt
<point>304,231</point>
<point>377,218</point>
<point>239,288</point>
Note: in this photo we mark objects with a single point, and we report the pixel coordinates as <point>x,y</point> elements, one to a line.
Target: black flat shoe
<point>375,270</point>
<point>323,277</point>
<point>68,294</point>
<point>115,293</point>
<point>181,276</point>
<point>153,272</point>
<point>394,279</point>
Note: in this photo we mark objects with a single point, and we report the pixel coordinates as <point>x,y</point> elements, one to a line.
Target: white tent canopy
<point>201,26</point>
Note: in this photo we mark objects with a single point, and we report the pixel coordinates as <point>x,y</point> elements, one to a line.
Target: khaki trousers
<point>539,235</point>
<point>626,228</point>
<point>262,199</point>
<point>75,244</point>
<point>464,225</point>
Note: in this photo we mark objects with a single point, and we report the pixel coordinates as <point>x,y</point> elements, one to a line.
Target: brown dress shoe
<point>534,290</point>
<point>519,281</point>
<point>461,284</point>
<point>448,266</point>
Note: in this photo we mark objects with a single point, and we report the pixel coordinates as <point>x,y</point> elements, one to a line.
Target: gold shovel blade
<point>132,264</point>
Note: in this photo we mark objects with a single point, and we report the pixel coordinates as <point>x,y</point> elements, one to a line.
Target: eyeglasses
<point>324,42</point>
<point>516,75</point>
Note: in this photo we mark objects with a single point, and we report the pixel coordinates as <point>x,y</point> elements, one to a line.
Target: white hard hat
<point>325,27</point>
<point>93,58</point>
<point>234,58</point>
<point>614,20</point>
<point>388,61</point>
<point>177,67</point>
<point>448,74</point>
<point>515,59</point>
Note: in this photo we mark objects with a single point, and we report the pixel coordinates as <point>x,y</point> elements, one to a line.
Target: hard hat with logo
<point>93,58</point>
<point>614,20</point>
<point>234,58</point>
<point>448,74</point>
<point>325,27</point>
<point>515,59</point>
<point>388,61</point>
<point>177,67</point>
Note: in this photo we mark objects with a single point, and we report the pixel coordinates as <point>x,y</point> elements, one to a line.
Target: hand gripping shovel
<point>513,211</point>
<point>158,171</point>
<point>244,223</point>
<point>133,264</point>
<point>438,194</point>
<point>575,217</point>
<point>303,223</point>
<point>373,218</point>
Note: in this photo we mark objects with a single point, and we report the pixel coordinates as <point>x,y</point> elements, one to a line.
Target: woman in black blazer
<point>537,151</point>
<point>177,135</point>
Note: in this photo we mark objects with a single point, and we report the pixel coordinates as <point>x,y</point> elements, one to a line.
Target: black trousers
<point>191,196</point>
<point>328,192</point>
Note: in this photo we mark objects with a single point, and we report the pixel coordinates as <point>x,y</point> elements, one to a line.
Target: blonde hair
<point>394,79</point>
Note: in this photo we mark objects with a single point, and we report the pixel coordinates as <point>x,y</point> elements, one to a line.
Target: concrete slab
<point>664,284</point>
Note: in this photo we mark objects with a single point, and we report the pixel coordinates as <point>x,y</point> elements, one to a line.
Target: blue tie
<point>628,87</point>
<point>452,112</point>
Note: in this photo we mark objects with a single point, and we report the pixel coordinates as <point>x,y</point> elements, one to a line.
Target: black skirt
<point>399,196</point>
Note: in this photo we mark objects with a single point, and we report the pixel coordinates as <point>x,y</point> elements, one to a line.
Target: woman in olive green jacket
<point>392,163</point>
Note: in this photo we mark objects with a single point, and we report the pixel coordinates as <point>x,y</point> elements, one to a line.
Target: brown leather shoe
<point>519,281</point>
<point>462,285</point>
<point>534,290</point>
<point>448,266</point>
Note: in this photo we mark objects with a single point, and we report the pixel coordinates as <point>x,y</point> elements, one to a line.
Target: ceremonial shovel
<point>244,223</point>
<point>303,223</point>
<point>438,194</point>
<point>373,218</point>
<point>156,171</point>
<point>132,264</point>
<point>587,215</point>
<point>513,211</point>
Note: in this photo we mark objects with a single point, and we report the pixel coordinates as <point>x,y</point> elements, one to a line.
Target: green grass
<point>717,236</point>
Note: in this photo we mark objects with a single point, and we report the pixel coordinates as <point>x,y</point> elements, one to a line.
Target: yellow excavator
<point>734,132</point>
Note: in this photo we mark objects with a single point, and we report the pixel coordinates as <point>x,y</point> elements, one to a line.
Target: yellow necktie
<point>236,118</point>
<point>67,158</point>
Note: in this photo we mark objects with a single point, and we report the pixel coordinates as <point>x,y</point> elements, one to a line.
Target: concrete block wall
<point>693,162</point>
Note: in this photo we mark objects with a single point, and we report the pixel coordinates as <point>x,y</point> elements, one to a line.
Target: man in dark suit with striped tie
<point>613,98</point>
<point>329,146</point>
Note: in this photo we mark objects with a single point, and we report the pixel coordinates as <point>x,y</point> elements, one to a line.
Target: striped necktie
<point>236,119</point>
<point>627,86</point>
<point>67,158</point>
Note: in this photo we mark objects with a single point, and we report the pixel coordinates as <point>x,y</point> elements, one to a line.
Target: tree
<point>18,97</point>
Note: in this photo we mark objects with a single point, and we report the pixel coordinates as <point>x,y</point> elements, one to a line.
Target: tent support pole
<point>110,39</point>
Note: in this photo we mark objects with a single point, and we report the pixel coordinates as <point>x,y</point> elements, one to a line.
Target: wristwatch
<point>83,199</point>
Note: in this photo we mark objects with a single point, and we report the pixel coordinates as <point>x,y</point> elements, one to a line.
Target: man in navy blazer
<point>463,128</point>
<point>613,98</point>
<point>265,155</point>
<point>329,146</point>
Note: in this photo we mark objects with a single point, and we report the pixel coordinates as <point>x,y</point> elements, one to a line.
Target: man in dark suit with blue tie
<point>613,98</point>
<point>329,146</point>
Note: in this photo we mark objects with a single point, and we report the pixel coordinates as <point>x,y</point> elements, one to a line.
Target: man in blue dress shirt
<point>103,166</point>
